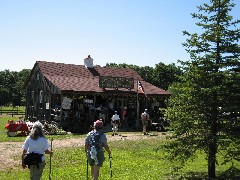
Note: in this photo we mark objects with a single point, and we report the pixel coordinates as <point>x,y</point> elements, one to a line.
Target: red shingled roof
<point>70,77</point>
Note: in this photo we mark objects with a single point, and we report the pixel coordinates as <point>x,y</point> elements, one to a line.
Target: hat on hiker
<point>98,123</point>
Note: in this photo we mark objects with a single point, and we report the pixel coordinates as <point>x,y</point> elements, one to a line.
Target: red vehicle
<point>16,128</point>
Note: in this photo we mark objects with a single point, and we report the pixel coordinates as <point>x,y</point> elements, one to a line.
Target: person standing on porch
<point>102,117</point>
<point>115,122</point>
<point>124,117</point>
<point>145,119</point>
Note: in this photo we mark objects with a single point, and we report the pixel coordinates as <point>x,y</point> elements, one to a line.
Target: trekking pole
<point>87,169</point>
<point>50,163</point>
<point>110,158</point>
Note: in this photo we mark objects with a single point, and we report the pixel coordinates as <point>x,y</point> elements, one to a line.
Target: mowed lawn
<point>142,159</point>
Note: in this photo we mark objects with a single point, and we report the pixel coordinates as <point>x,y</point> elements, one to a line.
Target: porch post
<point>137,120</point>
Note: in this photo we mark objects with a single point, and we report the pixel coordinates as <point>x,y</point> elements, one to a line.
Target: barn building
<point>76,95</point>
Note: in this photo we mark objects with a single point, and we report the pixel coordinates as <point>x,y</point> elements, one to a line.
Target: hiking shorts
<point>35,172</point>
<point>100,157</point>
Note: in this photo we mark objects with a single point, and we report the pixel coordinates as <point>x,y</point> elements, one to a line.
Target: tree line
<point>12,87</point>
<point>161,75</point>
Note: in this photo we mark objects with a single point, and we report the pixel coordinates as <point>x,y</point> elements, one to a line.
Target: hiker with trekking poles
<point>34,149</point>
<point>95,143</point>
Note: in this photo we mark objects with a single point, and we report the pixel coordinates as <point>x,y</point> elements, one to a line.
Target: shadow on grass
<point>232,173</point>
<point>193,176</point>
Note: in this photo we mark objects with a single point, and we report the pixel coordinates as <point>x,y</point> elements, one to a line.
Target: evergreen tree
<point>205,106</point>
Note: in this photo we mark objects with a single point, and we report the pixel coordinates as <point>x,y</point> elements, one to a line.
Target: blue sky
<point>139,32</point>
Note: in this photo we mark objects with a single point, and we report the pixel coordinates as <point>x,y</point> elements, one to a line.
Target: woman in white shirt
<point>36,142</point>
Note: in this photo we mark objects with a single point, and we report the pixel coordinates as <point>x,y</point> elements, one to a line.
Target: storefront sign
<point>116,82</point>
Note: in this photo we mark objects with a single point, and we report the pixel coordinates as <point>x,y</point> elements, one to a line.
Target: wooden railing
<point>12,112</point>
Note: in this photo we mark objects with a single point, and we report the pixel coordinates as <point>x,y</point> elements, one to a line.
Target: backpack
<point>95,140</point>
<point>33,159</point>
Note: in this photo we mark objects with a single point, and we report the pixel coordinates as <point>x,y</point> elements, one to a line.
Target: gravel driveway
<point>10,152</point>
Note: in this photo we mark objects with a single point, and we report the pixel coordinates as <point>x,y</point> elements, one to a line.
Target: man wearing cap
<point>115,122</point>
<point>94,144</point>
<point>145,119</point>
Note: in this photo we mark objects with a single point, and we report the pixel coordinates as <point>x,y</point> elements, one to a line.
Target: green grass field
<point>131,160</point>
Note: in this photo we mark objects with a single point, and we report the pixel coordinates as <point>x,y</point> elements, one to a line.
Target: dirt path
<point>10,152</point>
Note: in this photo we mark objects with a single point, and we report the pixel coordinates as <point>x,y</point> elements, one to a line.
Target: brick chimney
<point>88,62</point>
